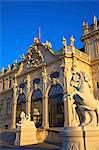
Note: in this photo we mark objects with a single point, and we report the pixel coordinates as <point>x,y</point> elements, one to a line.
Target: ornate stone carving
<point>70,146</point>
<point>34,57</point>
<point>87,107</point>
<point>44,74</point>
<point>48,45</point>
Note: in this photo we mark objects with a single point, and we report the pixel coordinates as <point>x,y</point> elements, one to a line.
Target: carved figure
<point>9,67</point>
<point>84,99</point>
<point>23,119</point>
<point>47,44</point>
<point>95,22</point>
<point>64,42</point>
<point>36,40</point>
<point>72,40</point>
<point>85,27</point>
<point>2,70</point>
<point>23,57</point>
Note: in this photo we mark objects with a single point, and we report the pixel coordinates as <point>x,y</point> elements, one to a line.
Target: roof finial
<point>95,22</point>
<point>39,34</point>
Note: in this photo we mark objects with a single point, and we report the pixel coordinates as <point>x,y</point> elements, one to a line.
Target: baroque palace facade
<point>38,83</point>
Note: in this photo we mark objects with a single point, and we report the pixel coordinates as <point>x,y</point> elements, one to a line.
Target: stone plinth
<point>26,134</point>
<point>80,138</point>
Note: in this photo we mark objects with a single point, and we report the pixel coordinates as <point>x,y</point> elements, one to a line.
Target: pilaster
<point>14,103</point>
<point>27,95</point>
<point>67,102</point>
<point>45,123</point>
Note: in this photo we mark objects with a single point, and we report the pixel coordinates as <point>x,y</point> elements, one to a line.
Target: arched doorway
<point>56,106</point>
<point>21,106</point>
<point>37,107</point>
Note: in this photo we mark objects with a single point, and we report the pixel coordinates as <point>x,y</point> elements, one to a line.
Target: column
<point>14,104</point>
<point>28,100</point>
<point>45,123</point>
<point>67,102</point>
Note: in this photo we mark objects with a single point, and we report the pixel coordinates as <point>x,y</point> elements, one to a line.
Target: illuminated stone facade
<point>38,83</point>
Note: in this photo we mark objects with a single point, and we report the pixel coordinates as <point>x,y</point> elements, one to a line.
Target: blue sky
<point>20,21</point>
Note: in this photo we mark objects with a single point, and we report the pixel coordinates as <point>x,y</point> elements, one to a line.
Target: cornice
<point>89,34</point>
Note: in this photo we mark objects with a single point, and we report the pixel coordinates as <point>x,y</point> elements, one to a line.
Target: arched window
<point>1,106</point>
<point>21,98</point>
<point>36,107</point>
<point>54,75</point>
<point>56,106</point>
<point>21,106</point>
<point>8,106</point>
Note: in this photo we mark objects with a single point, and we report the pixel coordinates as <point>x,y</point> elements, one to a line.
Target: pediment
<point>36,55</point>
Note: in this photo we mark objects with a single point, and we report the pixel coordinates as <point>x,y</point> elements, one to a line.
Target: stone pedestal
<point>80,138</point>
<point>26,134</point>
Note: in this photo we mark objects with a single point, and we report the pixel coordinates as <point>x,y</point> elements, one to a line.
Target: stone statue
<point>87,107</point>
<point>26,131</point>
<point>65,45</point>
<point>85,27</point>
<point>15,64</point>
<point>95,22</point>
<point>36,40</point>
<point>2,70</point>
<point>23,118</point>
<point>72,40</point>
<point>9,67</point>
<point>23,57</point>
<point>47,44</point>
<point>64,42</point>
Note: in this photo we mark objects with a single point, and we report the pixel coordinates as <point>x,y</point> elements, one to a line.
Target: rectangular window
<point>3,85</point>
<point>8,108</point>
<point>1,107</point>
<point>10,83</point>
<point>98,85</point>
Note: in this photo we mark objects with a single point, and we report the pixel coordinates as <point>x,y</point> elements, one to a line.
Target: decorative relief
<point>34,57</point>
<point>70,146</point>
